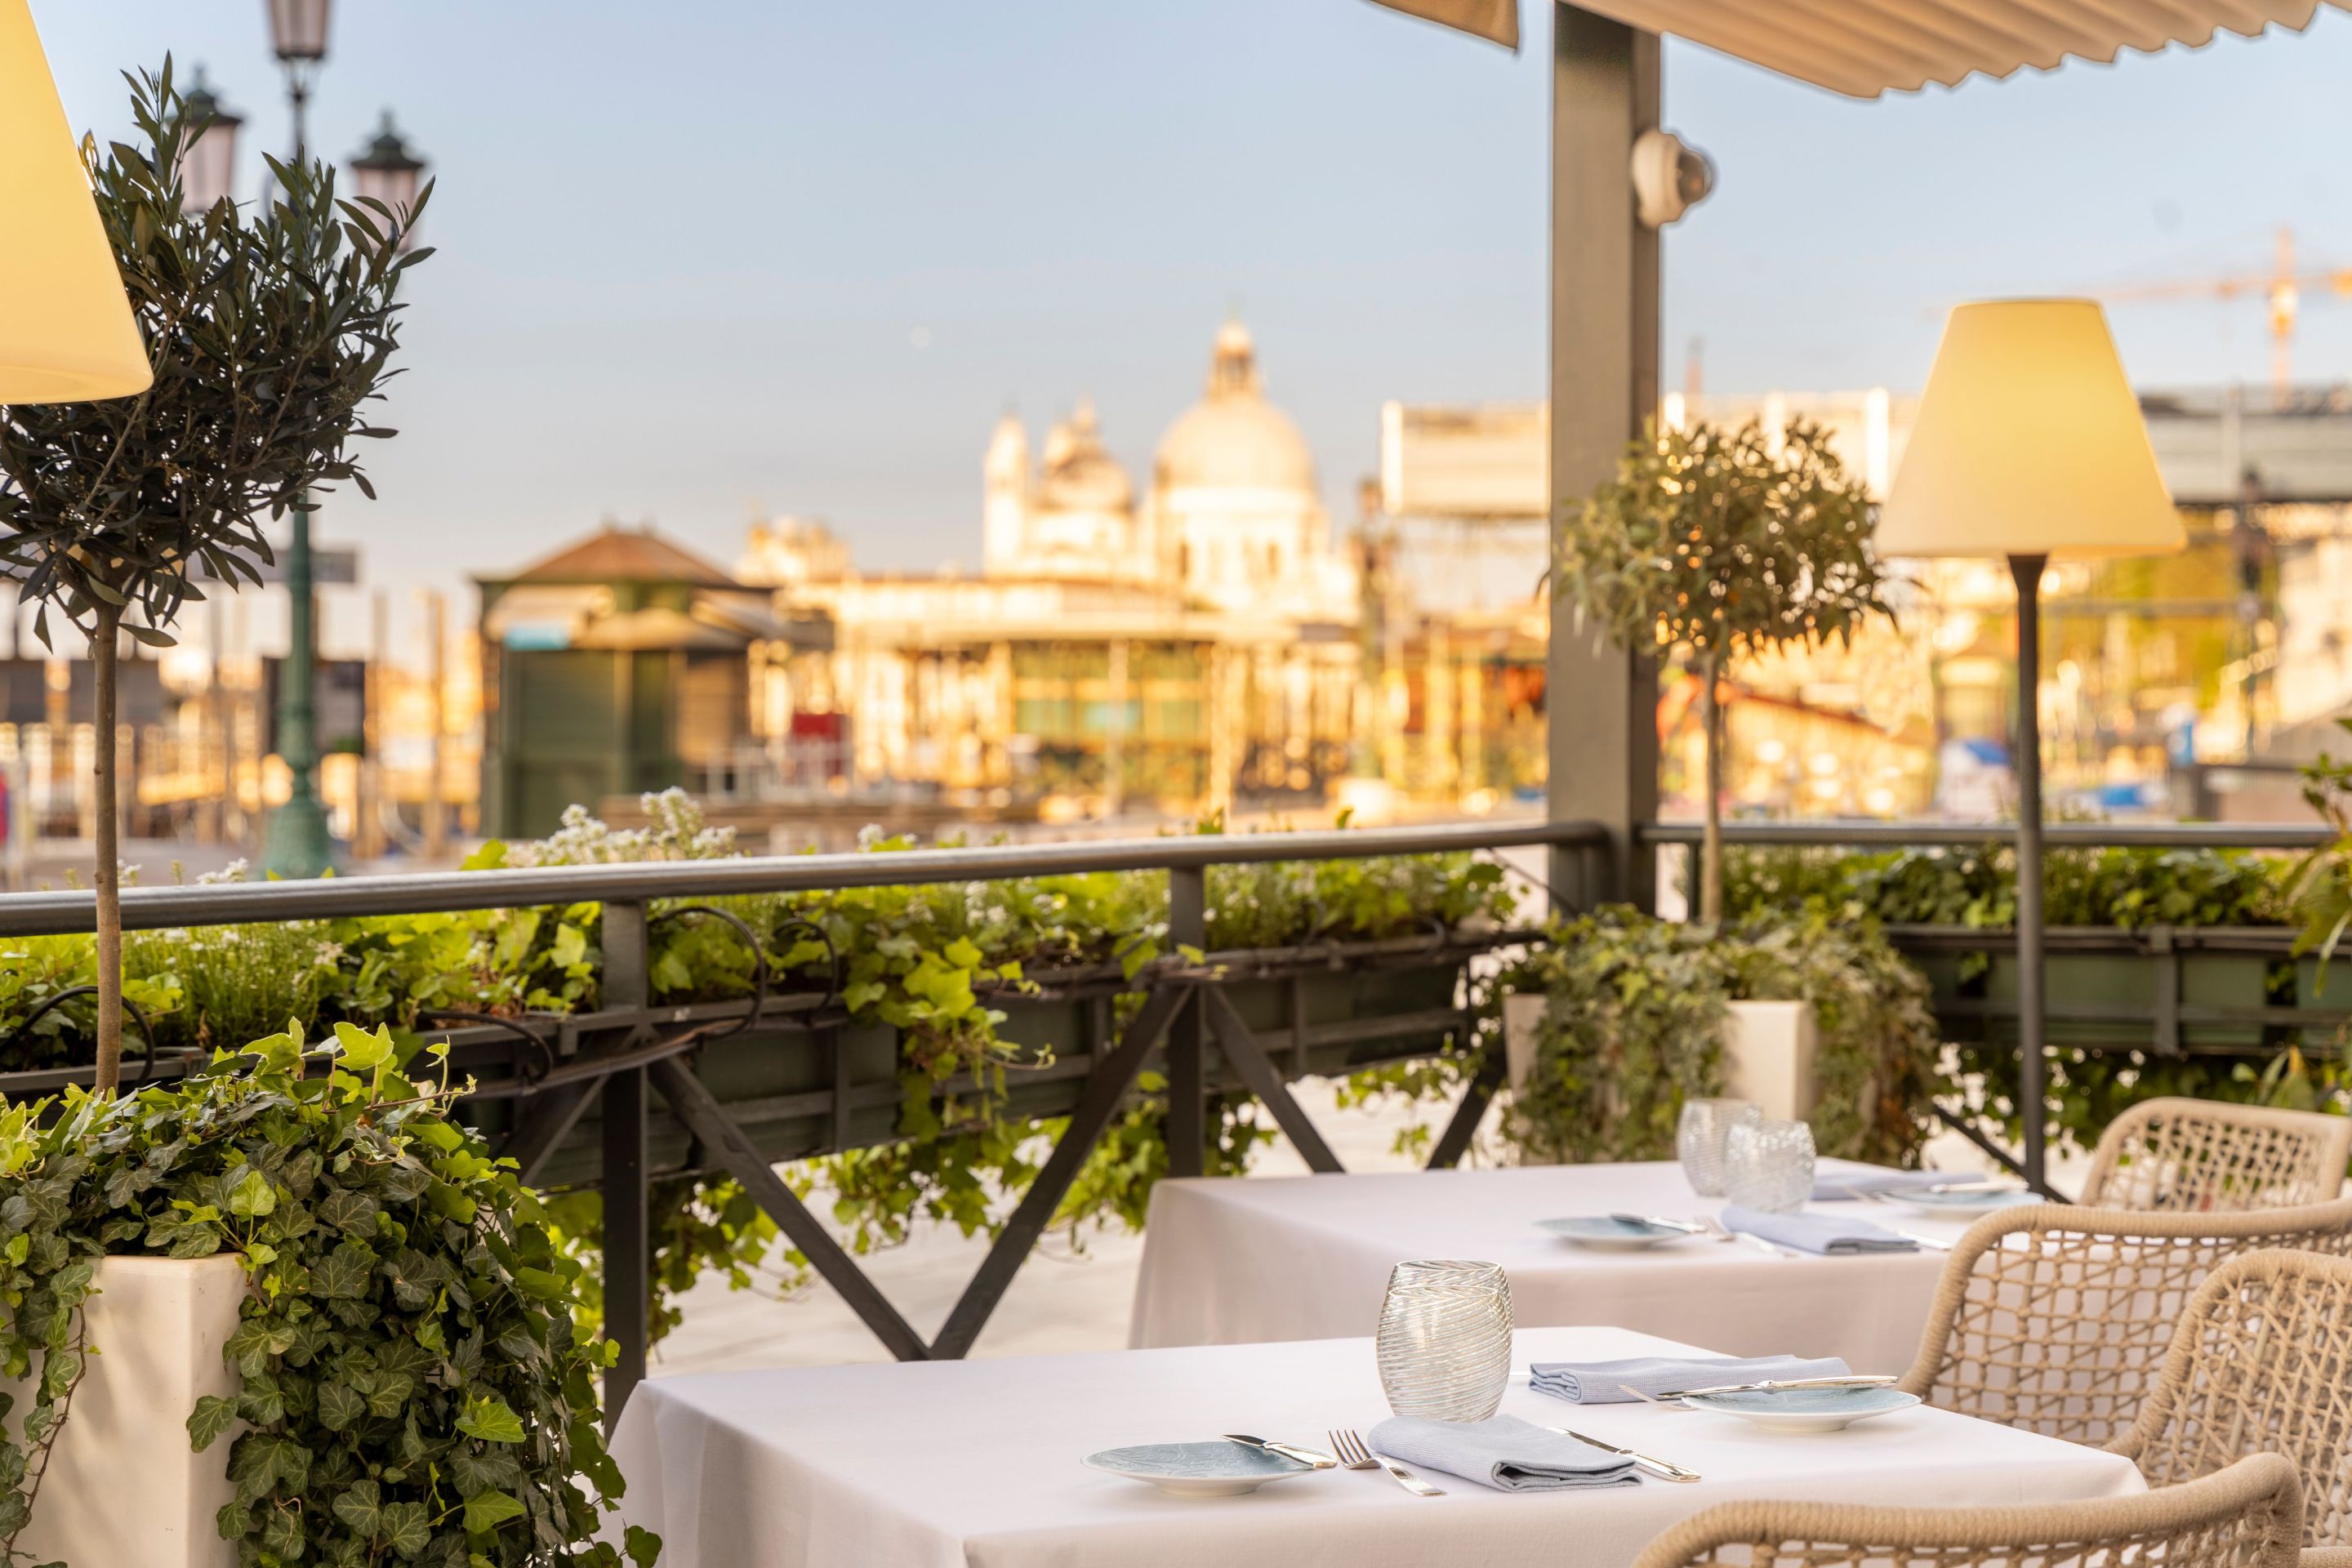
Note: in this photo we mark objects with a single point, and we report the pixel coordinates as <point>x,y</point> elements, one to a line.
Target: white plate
<point>1602,1233</point>
<point>1198,1469</point>
<point>1805,1409</point>
<point>1961,1205</point>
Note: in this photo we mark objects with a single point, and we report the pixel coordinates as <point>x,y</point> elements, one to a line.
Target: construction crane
<point>2282,289</point>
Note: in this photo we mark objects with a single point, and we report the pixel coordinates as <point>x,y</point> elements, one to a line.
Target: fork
<point>1355,1455</point>
<point>1725,1233</point>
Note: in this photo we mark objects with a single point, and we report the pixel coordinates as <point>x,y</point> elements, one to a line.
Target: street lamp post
<point>300,843</point>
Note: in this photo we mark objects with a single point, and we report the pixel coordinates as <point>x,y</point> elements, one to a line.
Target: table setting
<point>1579,1446</point>
<point>1828,1258</point>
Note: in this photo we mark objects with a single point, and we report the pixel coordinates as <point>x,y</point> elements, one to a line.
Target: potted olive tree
<point>1719,543</point>
<point>269,330</point>
<point>1710,541</point>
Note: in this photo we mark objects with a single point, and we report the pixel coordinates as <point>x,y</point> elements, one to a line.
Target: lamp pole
<point>2031,1065</point>
<point>300,843</point>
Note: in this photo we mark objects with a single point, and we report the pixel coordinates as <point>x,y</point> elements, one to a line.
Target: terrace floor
<point>1059,1302</point>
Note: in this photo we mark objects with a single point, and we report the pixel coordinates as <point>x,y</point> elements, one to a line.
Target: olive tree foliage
<point>1710,541</point>
<point>269,328</point>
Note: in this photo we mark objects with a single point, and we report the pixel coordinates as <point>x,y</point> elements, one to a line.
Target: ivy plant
<point>412,1383</point>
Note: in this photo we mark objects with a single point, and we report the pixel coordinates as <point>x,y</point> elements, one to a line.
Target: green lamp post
<point>300,843</point>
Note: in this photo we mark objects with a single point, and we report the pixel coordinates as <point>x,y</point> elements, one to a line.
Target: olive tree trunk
<point>1710,852</point>
<point>106,633</point>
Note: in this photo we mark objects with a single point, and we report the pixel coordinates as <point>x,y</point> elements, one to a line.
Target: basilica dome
<point>1234,438</point>
<point>1080,474</point>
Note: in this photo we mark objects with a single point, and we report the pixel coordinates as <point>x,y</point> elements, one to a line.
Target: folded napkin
<point>1502,1452</point>
<point>1816,1232</point>
<point>1829,1186</point>
<point>1604,1381</point>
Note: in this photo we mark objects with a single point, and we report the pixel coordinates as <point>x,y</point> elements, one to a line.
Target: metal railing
<point>2167,1014</point>
<point>630,1050</point>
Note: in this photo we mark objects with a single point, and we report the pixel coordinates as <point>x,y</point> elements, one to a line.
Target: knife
<point>1655,1465</point>
<point>1288,1450</point>
<point>1686,1226</point>
<point>1772,1385</point>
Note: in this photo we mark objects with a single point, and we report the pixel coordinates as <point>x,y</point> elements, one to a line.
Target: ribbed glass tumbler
<point>1699,1137</point>
<point>1444,1343</point>
<point>1769,1165</point>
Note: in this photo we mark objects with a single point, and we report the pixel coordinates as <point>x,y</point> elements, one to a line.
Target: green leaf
<point>211,1416</point>
<point>490,1419</point>
<point>252,1197</point>
<point>363,1049</point>
<point>407,1528</point>
<point>340,1407</point>
<point>486,1512</point>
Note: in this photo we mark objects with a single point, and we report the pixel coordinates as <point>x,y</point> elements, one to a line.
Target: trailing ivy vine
<point>412,1383</point>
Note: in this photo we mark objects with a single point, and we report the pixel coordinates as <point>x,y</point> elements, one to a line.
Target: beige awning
<point>1865,48</point>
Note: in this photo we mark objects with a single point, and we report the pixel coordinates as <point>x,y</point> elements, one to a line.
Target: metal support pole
<point>1601,701</point>
<point>628,1245</point>
<point>299,845</point>
<point>2030,1062</point>
<point>1187,1087</point>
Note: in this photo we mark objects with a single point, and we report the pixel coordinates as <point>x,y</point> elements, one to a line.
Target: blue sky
<point>701,259</point>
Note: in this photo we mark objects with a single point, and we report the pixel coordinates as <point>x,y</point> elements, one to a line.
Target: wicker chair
<point>2245,1517</point>
<point>2262,1361</point>
<point>2054,1317</point>
<point>2209,1156</point>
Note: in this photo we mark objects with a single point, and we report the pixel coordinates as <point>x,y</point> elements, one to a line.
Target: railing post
<point>1187,1087</point>
<point>1601,701</point>
<point>628,1238</point>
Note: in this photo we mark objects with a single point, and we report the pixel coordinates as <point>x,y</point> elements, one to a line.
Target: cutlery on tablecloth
<point>1686,1226</point>
<point>1288,1450</point>
<point>1725,1233</point>
<point>1656,1467</point>
<point>1774,1385</point>
<point>1929,1242</point>
<point>1355,1455</point>
<point>1649,1398</point>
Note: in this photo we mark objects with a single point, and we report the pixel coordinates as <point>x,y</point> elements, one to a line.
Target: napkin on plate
<point>1832,1186</point>
<point>1598,1381</point>
<point>1821,1233</point>
<point>1502,1452</point>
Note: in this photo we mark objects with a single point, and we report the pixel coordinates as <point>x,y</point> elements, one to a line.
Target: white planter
<point>1768,1056</point>
<point>123,1488</point>
<point>1523,1015</point>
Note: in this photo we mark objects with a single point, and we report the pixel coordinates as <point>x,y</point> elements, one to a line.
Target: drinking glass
<point>1769,1165</point>
<point>1444,1341</point>
<point>1698,1139</point>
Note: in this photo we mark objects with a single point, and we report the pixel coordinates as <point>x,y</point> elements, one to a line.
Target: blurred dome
<point>1233,438</point>
<point>1080,474</point>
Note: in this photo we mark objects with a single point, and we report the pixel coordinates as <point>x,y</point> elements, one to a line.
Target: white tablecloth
<point>976,1464</point>
<point>1307,1257</point>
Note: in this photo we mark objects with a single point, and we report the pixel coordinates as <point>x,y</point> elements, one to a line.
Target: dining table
<point>1307,1257</point>
<point>979,1464</point>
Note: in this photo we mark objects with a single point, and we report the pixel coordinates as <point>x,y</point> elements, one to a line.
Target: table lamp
<point>2029,444</point>
<point>66,332</point>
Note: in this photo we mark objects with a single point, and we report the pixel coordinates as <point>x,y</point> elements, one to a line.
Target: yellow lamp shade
<point>66,332</point>
<point>2029,442</point>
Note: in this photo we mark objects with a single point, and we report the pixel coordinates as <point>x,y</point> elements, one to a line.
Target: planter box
<point>779,1084</point>
<point>2130,985</point>
<point>1769,1050</point>
<point>123,1486</point>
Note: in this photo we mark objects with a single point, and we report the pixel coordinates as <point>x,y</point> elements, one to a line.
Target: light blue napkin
<point>1598,1382</point>
<point>1819,1233</point>
<point>1832,1186</point>
<point>1502,1452</point>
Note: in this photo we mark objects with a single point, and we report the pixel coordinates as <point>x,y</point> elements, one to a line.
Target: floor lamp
<point>2029,444</point>
<point>66,332</point>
